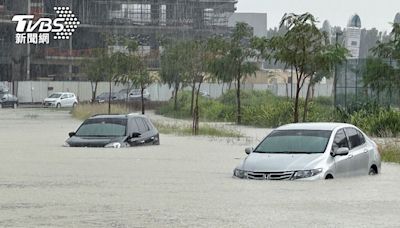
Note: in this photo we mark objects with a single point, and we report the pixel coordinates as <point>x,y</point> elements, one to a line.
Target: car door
<point>342,163</point>
<point>144,130</point>
<point>359,150</point>
<point>71,100</point>
<point>64,100</point>
<point>5,100</point>
<point>134,129</point>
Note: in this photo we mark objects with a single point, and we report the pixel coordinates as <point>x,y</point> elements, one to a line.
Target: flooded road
<point>185,182</point>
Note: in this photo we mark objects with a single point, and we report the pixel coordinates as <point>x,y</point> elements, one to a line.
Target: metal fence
<point>351,90</point>
<point>36,91</point>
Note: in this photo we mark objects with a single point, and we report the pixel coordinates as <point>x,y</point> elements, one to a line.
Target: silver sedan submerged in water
<point>311,151</point>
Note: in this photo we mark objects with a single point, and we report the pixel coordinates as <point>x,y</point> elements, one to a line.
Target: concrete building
<point>397,18</point>
<point>256,20</point>
<point>353,36</point>
<point>148,22</point>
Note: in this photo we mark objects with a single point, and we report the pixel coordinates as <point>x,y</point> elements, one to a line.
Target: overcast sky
<point>373,13</point>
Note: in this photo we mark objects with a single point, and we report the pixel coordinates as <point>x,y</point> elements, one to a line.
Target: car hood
<point>51,99</point>
<point>76,141</point>
<point>263,162</point>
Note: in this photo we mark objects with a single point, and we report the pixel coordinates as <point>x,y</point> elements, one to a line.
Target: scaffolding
<point>175,13</point>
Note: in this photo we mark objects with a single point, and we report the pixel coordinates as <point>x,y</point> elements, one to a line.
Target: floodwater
<point>185,182</point>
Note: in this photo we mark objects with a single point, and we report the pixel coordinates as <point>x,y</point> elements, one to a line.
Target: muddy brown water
<point>185,182</point>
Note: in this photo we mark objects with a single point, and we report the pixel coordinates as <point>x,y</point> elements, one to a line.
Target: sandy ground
<point>185,182</point>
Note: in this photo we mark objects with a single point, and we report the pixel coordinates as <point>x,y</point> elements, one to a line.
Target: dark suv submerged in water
<point>114,131</point>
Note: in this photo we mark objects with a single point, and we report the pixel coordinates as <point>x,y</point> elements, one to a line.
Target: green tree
<point>231,59</point>
<point>197,66</point>
<point>143,79</point>
<point>304,47</point>
<point>94,67</point>
<point>381,73</point>
<point>134,71</point>
<point>172,70</point>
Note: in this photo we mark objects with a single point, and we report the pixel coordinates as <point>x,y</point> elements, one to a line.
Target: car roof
<point>103,116</point>
<point>314,126</point>
<point>63,93</point>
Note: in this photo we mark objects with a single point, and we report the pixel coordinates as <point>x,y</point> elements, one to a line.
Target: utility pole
<point>28,58</point>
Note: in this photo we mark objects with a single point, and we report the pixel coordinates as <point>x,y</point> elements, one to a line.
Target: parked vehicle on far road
<point>205,94</point>
<point>8,100</point>
<point>311,151</point>
<point>61,100</point>
<point>114,131</point>
<point>104,97</point>
<point>135,95</point>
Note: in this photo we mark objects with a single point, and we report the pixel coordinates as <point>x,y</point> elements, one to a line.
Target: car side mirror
<point>135,135</point>
<point>71,134</point>
<point>340,152</point>
<point>249,150</point>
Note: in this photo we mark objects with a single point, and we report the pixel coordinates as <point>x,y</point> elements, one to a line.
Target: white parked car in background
<point>136,95</point>
<point>61,100</point>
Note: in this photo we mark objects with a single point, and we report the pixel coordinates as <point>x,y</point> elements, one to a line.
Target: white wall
<point>36,91</point>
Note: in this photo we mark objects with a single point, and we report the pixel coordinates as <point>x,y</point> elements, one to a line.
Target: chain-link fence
<point>351,91</point>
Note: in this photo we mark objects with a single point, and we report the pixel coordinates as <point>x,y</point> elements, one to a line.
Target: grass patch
<point>205,130</point>
<point>85,111</point>
<point>391,154</point>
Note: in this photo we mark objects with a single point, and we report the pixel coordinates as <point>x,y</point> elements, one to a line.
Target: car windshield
<point>103,127</point>
<point>55,95</point>
<point>295,141</point>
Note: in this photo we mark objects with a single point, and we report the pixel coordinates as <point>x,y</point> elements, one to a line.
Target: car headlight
<point>66,144</point>
<point>113,145</point>
<point>239,173</point>
<point>306,173</point>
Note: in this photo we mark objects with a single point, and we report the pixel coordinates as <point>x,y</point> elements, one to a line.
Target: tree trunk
<point>306,101</point>
<point>296,104</point>
<point>143,103</point>
<point>176,97</point>
<point>109,100</point>
<point>94,90</point>
<point>127,97</point>
<point>287,91</point>
<point>238,114</point>
<point>192,100</point>
<point>196,114</point>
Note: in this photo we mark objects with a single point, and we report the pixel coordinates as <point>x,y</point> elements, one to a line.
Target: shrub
<point>391,154</point>
<point>384,123</point>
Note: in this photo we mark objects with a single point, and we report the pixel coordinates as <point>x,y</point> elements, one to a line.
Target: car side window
<point>340,140</point>
<point>147,124</point>
<point>142,127</point>
<point>354,137</point>
<point>64,96</point>
<point>134,128</point>
<point>361,136</point>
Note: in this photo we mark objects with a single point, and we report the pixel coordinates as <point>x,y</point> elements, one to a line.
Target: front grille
<point>270,175</point>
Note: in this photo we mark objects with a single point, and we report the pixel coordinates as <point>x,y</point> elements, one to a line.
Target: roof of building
<point>354,21</point>
<point>397,18</point>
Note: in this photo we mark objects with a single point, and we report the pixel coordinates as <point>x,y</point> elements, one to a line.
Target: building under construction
<point>147,21</point>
